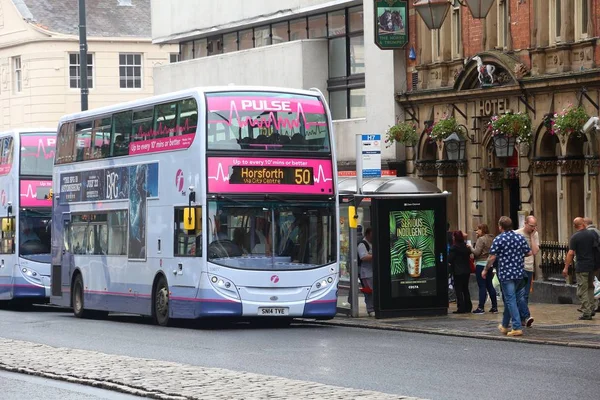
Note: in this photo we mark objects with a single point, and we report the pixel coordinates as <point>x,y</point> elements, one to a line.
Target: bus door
<point>7,256</point>
<point>66,260</point>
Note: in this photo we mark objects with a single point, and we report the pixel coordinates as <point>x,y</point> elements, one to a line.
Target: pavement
<point>555,324</point>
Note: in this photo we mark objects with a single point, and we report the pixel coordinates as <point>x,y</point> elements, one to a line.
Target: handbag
<point>472,265</point>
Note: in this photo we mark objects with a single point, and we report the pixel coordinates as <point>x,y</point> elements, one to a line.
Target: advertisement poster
<point>412,253</point>
<point>391,24</point>
<point>105,184</point>
<point>138,193</point>
<point>35,193</point>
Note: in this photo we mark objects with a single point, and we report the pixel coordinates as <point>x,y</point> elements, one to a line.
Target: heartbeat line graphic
<point>278,123</point>
<point>220,174</point>
<point>321,175</point>
<point>41,149</point>
<point>29,192</point>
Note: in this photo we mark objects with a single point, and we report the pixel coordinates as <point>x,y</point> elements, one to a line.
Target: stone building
<point>544,57</point>
<point>39,57</point>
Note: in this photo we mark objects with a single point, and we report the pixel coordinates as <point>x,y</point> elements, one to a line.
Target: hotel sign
<point>391,24</point>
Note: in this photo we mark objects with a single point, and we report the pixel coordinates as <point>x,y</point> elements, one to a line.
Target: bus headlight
<point>321,286</point>
<point>223,286</point>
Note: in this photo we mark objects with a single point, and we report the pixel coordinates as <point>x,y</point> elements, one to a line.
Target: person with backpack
<point>365,263</point>
<point>582,245</point>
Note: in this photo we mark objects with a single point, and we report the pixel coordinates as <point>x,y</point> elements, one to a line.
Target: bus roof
<point>27,130</point>
<point>179,94</point>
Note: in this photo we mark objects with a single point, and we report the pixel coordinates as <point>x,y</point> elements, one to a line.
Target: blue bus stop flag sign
<point>371,156</point>
<point>391,24</point>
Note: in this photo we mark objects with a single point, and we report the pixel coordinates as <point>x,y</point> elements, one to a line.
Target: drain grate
<point>566,326</point>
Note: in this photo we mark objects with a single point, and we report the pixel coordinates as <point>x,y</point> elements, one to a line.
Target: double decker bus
<point>201,203</point>
<point>26,160</point>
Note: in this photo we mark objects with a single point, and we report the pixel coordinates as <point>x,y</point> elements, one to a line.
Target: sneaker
<point>371,314</point>
<point>502,329</point>
<point>593,312</point>
<point>529,322</point>
<point>517,332</point>
<point>585,318</point>
<point>479,311</point>
<point>494,310</point>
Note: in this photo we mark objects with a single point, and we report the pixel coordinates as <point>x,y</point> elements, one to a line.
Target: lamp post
<point>83,78</point>
<point>455,147</point>
<point>433,12</point>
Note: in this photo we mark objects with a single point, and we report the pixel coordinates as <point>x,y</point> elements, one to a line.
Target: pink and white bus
<point>208,202</point>
<point>26,160</point>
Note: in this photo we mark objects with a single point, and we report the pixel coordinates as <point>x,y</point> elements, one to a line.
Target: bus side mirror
<point>7,225</point>
<point>189,218</point>
<point>352,217</point>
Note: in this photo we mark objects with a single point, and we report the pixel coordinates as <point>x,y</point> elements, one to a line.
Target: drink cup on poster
<point>414,258</point>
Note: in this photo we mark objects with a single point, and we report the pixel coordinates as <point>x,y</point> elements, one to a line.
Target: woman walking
<point>481,253</point>
<point>458,261</point>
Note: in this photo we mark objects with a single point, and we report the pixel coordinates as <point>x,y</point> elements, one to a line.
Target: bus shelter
<point>408,219</point>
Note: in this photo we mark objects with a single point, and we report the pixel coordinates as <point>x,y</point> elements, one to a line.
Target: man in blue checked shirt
<point>511,249</point>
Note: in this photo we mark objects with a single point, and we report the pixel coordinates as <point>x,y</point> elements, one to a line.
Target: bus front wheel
<point>161,302</point>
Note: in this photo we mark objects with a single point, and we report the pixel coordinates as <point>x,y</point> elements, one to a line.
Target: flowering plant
<point>403,132</point>
<point>569,120</point>
<point>444,128</point>
<point>511,125</point>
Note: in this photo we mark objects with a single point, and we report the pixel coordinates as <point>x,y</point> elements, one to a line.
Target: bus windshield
<point>266,121</point>
<point>271,235</point>
<point>37,153</point>
<point>34,234</point>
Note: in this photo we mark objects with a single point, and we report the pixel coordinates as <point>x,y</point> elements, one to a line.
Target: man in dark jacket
<point>581,246</point>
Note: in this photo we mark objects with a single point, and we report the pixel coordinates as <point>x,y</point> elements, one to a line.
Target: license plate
<point>273,311</point>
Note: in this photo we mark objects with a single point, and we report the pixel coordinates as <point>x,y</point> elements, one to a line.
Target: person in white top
<point>530,233</point>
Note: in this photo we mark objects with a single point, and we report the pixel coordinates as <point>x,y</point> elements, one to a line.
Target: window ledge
<point>350,119</point>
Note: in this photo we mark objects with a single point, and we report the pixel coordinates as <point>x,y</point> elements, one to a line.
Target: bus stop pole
<point>354,234</point>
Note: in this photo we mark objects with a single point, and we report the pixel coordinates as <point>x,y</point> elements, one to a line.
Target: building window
<point>246,39</point>
<point>582,19</point>
<point>555,20</point>
<point>18,74</point>
<point>279,32</point>
<point>346,83</point>
<point>317,26</point>
<point>298,29</point>
<point>262,36</point>
<point>200,48</point>
<point>503,25</point>
<point>186,50</point>
<point>75,70</point>
<point>130,71</point>
<point>173,58</point>
<point>230,42</point>
<point>456,31</point>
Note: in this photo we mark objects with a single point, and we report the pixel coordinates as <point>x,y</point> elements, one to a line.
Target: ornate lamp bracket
<point>524,98</point>
<point>584,93</point>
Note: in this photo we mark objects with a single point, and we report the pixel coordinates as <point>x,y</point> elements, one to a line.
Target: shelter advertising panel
<point>412,253</point>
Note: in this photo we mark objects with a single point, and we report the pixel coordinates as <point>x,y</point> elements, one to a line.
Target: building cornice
<point>67,38</point>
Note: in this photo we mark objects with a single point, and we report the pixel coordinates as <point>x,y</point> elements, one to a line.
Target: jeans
<point>523,300</point>
<point>585,292</point>
<point>485,286</point>
<point>511,310</point>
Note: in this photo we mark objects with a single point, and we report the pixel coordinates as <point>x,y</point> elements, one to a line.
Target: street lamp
<point>433,12</point>
<point>479,8</point>
<point>455,147</point>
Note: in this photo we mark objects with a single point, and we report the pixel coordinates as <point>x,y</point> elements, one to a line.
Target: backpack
<point>368,249</point>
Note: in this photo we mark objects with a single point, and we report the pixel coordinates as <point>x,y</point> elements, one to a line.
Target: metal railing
<point>553,262</point>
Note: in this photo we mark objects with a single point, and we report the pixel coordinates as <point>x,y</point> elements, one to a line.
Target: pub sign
<point>391,24</point>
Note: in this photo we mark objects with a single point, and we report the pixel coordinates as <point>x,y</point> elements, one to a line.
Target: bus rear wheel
<point>77,300</point>
<point>161,302</point>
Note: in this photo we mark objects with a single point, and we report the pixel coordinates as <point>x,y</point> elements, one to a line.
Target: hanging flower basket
<point>403,132</point>
<point>507,130</point>
<point>569,121</point>
<point>446,127</point>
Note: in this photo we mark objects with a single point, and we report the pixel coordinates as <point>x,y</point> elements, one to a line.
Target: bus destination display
<point>271,175</point>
